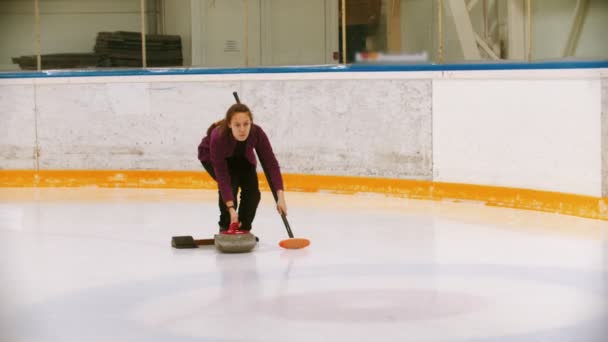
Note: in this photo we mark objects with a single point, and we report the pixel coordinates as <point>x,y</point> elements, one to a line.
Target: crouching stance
<point>226,153</point>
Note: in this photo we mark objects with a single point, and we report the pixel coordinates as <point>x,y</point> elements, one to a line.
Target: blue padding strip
<point>310,69</point>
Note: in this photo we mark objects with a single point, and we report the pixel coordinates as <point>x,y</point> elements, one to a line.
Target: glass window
<point>524,30</point>
<point>174,19</point>
<point>91,34</point>
<point>472,31</point>
<point>391,31</point>
<point>249,33</point>
<point>569,29</point>
<point>17,36</point>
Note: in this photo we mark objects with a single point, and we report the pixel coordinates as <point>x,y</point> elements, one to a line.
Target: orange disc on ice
<point>294,243</point>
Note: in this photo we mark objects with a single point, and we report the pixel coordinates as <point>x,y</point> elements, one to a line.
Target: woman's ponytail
<point>213,125</point>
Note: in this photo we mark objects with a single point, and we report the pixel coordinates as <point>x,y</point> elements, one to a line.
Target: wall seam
<point>602,140</point>
<point>36,139</point>
<point>432,92</point>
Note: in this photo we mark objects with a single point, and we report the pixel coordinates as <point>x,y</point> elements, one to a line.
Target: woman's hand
<point>281,205</point>
<point>234,217</point>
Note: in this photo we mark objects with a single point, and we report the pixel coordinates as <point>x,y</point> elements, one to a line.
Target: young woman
<point>226,152</point>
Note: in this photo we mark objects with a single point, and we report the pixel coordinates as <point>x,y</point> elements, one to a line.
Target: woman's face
<point>240,124</point>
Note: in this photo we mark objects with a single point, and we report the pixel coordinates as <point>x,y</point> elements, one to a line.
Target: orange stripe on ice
<point>561,203</point>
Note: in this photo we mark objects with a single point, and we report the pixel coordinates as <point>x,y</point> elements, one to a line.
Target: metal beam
<point>37,30</point>
<point>529,30</point>
<point>485,47</point>
<point>576,25</point>
<point>471,4</point>
<point>144,56</point>
<point>393,26</point>
<point>343,7</point>
<point>246,33</point>
<point>199,32</point>
<point>516,37</point>
<point>332,28</point>
<point>440,31</point>
<point>464,29</point>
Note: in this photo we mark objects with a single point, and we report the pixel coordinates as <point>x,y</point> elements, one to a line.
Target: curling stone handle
<point>234,226</point>
<point>204,242</point>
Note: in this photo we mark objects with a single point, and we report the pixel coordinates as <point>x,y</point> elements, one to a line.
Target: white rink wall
<point>535,129</point>
<point>534,134</point>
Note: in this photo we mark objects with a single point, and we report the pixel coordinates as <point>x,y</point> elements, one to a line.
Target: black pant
<point>243,175</point>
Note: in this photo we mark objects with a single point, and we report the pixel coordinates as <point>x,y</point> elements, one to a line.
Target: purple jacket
<point>217,147</point>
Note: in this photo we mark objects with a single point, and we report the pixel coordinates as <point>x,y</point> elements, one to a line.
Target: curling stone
<point>235,240</point>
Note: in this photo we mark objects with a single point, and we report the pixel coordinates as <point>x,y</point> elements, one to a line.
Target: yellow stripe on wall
<point>560,203</point>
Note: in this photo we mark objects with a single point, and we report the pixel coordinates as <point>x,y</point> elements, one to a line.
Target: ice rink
<point>90,264</point>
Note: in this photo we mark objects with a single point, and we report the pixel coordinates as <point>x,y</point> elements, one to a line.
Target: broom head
<point>294,243</point>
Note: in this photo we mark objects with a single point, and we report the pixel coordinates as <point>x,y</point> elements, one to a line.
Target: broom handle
<point>276,199</point>
<point>287,226</point>
<point>274,194</point>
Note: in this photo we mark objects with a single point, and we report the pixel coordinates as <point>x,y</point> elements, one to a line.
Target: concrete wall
<point>17,127</point>
<point>535,129</point>
<point>127,125</point>
<point>341,127</point>
<point>376,128</point>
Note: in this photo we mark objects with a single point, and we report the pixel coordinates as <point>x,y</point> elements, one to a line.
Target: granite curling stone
<point>235,243</point>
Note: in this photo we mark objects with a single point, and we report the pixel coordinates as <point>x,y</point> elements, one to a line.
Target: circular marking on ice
<point>372,305</point>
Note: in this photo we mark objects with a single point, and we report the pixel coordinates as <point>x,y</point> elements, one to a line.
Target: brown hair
<point>223,124</point>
